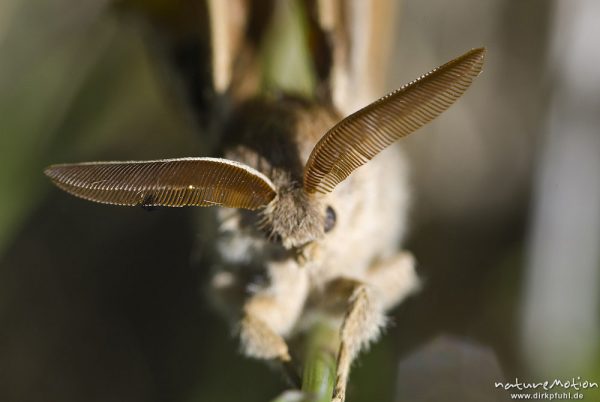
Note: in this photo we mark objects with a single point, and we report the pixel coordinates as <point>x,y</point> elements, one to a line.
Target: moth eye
<point>329,219</point>
<point>275,238</point>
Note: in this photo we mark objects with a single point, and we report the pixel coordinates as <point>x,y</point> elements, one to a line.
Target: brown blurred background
<point>104,303</point>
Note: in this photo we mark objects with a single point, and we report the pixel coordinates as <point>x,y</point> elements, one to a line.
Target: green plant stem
<point>320,362</point>
<point>319,366</point>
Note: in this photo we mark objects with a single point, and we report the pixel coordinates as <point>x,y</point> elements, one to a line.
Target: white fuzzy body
<point>371,208</point>
<point>279,269</point>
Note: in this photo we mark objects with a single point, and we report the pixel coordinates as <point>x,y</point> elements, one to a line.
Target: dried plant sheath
<point>169,182</point>
<point>362,135</point>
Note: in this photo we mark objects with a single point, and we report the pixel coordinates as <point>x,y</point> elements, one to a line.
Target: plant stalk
<point>318,376</point>
<point>320,362</point>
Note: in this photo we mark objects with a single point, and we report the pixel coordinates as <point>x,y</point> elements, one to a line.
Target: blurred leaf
<point>69,93</point>
<point>41,73</point>
<point>287,60</point>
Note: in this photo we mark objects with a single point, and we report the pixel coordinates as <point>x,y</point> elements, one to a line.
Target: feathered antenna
<point>359,137</point>
<point>182,182</point>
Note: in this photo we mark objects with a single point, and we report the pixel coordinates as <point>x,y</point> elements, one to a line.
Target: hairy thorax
<point>369,208</point>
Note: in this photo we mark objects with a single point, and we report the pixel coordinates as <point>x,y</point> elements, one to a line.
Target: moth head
<point>292,219</point>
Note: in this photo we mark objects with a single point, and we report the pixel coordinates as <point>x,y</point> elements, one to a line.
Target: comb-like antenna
<point>169,182</point>
<point>362,135</point>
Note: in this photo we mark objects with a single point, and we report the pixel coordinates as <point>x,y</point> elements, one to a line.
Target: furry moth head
<point>293,214</point>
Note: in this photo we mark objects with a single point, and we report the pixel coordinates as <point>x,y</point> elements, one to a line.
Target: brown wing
<point>169,182</point>
<point>359,36</point>
<point>362,135</point>
<point>227,24</point>
<point>236,34</point>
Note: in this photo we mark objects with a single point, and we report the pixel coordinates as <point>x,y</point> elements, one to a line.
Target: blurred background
<point>102,303</point>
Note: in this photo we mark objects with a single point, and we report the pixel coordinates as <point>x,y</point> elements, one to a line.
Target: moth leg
<point>387,283</point>
<point>259,339</point>
<point>362,324</point>
<point>271,313</point>
<point>394,279</point>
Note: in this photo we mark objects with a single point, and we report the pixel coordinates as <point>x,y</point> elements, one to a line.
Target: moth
<point>311,207</point>
<point>310,201</point>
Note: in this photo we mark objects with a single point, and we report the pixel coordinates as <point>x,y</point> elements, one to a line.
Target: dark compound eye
<point>329,219</point>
